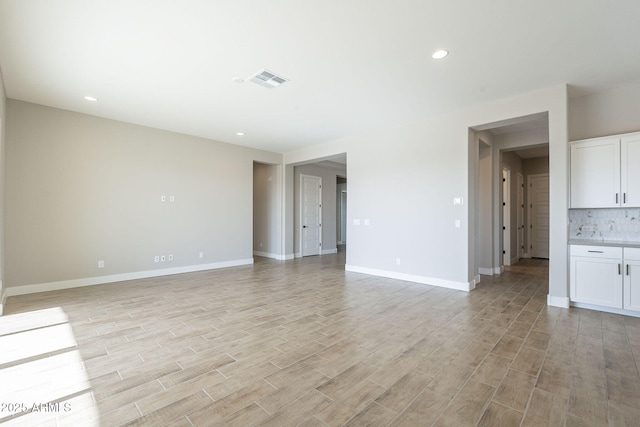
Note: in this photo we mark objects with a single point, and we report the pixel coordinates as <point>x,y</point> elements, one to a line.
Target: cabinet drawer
<point>632,254</point>
<point>596,251</point>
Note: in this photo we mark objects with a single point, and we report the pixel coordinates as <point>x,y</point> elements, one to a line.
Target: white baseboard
<point>100,280</point>
<point>278,257</point>
<point>605,309</point>
<point>562,302</point>
<point>526,255</point>
<point>491,271</point>
<point>476,280</point>
<point>460,286</point>
<point>514,260</point>
<point>324,252</point>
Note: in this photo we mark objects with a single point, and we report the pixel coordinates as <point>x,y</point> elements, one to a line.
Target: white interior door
<point>539,215</point>
<point>506,217</point>
<point>520,215</point>
<point>311,214</point>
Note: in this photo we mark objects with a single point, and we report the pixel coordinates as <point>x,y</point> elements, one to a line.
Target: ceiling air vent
<point>267,79</point>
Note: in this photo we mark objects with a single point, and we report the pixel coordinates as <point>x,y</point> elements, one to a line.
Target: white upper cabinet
<point>605,172</point>
<point>630,170</point>
<point>595,173</point>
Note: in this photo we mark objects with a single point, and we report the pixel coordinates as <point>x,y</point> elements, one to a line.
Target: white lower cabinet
<point>632,279</point>
<point>605,276</point>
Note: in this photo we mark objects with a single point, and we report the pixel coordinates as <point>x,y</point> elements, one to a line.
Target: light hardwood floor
<point>304,343</point>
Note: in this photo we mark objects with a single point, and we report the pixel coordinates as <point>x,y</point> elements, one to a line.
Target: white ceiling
<point>353,65</point>
<point>533,153</point>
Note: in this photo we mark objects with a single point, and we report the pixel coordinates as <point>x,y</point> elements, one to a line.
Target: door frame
<point>506,219</point>
<point>301,213</point>
<point>342,223</point>
<point>530,209</point>
<point>520,217</point>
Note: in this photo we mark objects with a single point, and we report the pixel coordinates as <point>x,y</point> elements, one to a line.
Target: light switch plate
<point>458,200</point>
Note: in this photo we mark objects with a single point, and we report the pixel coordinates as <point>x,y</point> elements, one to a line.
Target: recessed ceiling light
<point>240,133</point>
<point>91,98</point>
<point>439,54</point>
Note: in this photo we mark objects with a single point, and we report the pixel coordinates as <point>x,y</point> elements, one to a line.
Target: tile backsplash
<point>617,225</point>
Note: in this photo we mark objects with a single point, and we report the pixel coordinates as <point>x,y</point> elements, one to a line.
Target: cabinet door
<point>596,281</point>
<point>595,173</point>
<point>630,170</point>
<point>632,285</point>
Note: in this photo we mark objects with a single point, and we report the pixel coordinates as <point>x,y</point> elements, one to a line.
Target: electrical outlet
<point>170,257</point>
<point>162,258</point>
<point>100,264</point>
<point>156,259</point>
<point>397,261</point>
<point>201,255</point>
<point>163,198</point>
<point>172,199</point>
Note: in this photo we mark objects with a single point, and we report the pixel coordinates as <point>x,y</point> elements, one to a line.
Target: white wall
<point>606,113</point>
<point>267,233</point>
<point>404,180</point>
<point>3,121</point>
<point>329,186</point>
<point>82,189</point>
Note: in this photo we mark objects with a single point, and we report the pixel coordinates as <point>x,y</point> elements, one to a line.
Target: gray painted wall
<point>80,189</point>
<point>267,233</point>
<point>606,113</point>
<point>485,203</point>
<point>404,180</point>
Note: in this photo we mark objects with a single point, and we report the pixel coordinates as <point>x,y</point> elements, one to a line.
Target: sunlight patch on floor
<point>42,373</point>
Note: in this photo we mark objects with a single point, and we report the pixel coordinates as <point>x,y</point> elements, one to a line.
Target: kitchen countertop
<point>617,244</point>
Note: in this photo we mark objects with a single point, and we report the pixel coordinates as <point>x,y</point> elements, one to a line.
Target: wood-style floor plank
<point>304,343</point>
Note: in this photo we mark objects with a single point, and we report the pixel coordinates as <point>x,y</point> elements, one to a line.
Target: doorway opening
<point>267,224</point>
<point>317,223</point>
<point>504,155</point>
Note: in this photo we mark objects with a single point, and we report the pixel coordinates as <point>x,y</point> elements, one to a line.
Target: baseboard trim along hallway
<point>101,280</point>
<point>460,286</point>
